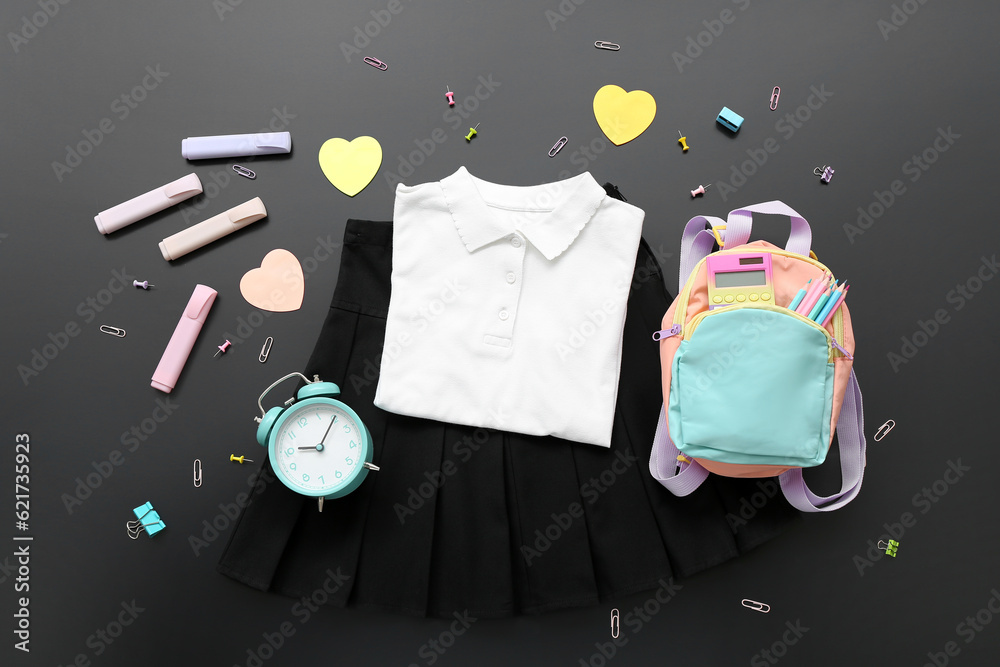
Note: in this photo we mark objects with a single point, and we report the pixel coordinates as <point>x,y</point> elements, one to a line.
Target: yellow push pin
<point>682,141</point>
<point>472,133</point>
<point>239,459</point>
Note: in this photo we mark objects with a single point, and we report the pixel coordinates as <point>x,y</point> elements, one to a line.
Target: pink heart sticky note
<point>277,286</point>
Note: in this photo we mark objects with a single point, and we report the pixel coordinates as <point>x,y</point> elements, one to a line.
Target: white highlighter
<point>212,229</point>
<point>236,145</point>
<point>147,204</point>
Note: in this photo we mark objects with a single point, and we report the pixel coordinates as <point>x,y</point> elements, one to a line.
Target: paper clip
<point>757,606</point>
<point>376,63</point>
<point>558,146</point>
<point>884,429</point>
<point>775,94</point>
<point>150,526</point>
<point>197,472</point>
<point>243,171</point>
<point>607,46</point>
<point>615,623</point>
<point>266,350</point>
<point>114,331</point>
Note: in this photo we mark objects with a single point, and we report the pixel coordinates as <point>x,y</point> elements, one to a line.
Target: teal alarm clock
<point>317,445</point>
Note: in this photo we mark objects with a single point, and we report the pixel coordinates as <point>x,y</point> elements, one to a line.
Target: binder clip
<point>147,521</point>
<point>729,119</point>
<point>825,173</point>
<point>890,549</point>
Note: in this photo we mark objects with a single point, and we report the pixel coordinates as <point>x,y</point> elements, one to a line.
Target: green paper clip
<point>890,549</point>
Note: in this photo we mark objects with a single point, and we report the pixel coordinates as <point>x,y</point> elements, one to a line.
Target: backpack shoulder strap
<point>679,477</point>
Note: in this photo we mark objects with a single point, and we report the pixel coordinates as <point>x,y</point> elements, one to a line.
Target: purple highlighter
<point>181,343</point>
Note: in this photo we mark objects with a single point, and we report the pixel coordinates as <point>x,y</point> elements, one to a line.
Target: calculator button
<point>729,298</point>
<point>741,298</point>
<point>765,296</point>
<point>754,297</point>
<point>717,299</point>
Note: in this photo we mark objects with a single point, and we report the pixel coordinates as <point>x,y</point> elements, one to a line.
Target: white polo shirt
<point>508,304</point>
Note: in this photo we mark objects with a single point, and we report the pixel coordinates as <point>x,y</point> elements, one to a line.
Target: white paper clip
<point>884,429</point>
<point>376,63</point>
<point>197,472</point>
<point>558,146</point>
<point>757,606</point>
<point>266,350</point>
<point>615,623</point>
<point>243,171</point>
<point>775,94</point>
<point>114,331</point>
<point>607,46</point>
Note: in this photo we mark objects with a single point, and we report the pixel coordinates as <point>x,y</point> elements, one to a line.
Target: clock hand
<point>332,421</point>
<point>318,447</point>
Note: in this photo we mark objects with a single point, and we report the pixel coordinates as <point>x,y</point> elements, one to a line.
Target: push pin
<point>700,190</point>
<point>682,141</point>
<point>890,549</point>
<point>222,349</point>
<point>239,459</point>
<point>472,133</point>
<point>450,95</point>
<point>144,284</point>
<point>825,173</point>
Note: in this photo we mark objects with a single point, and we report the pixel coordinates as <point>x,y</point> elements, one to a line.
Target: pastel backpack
<point>751,388</point>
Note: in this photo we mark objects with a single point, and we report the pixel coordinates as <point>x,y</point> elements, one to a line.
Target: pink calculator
<point>739,278</point>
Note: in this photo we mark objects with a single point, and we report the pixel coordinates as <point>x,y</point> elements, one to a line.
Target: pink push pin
<point>222,349</point>
<point>450,95</point>
<point>144,284</point>
<point>700,190</point>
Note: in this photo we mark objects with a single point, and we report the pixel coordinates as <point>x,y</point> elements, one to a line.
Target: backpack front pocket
<point>753,385</point>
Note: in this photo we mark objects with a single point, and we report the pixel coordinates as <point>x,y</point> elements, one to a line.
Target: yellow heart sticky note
<point>623,116</point>
<point>277,286</point>
<point>350,165</point>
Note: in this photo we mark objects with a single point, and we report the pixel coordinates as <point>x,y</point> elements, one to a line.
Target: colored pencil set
<point>818,300</point>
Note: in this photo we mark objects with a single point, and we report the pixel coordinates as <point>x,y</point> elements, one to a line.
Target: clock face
<point>319,447</point>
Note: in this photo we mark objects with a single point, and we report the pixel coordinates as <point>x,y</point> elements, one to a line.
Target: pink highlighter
<point>181,343</point>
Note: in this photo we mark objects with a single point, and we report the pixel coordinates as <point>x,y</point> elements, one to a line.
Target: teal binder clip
<point>147,521</point>
<point>729,119</point>
<point>890,549</point>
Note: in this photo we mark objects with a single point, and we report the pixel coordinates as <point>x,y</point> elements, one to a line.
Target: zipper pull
<point>667,333</point>
<point>842,350</point>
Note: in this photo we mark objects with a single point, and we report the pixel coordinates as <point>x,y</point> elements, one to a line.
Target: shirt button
<point>503,315</point>
<point>511,277</point>
<point>516,241</point>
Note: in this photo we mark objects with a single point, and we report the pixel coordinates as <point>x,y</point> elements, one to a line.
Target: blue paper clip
<point>147,520</point>
<point>729,119</point>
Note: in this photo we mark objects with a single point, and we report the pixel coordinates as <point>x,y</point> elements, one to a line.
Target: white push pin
<point>700,190</point>
<point>144,284</point>
<point>222,349</point>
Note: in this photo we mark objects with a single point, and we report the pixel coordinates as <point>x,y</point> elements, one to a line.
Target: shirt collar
<point>567,206</point>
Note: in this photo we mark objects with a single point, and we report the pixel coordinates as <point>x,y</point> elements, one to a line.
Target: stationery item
<point>825,173</point>
<point>472,133</point>
<point>800,295</point>
<point>884,429</point>
<point>756,606</point>
<point>266,350</point>
<point>239,459</point>
<point>682,141</point>
<point>615,623</point>
<point>213,229</point>
<point>197,473</point>
<point>376,63</point>
<point>607,46</point>
<point>810,298</point>
<point>147,204</point>
<point>144,284</point>
<point>828,305</point>
<point>821,302</point>
<point>183,339</point>
<point>774,97</point>
<point>700,190</point>
<point>244,172</point>
<point>147,521</point>
<point>558,146</point>
<point>277,286</point>
<point>729,119</point>
<point>114,331</point>
<point>222,348</point>
<point>236,145</point>
<point>623,116</point>
<point>450,96</point>
<point>739,278</point>
<point>350,165</point>
<point>890,548</point>
<point>843,295</point>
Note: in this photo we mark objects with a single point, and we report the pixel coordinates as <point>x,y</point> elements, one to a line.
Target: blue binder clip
<point>147,520</point>
<point>729,119</point>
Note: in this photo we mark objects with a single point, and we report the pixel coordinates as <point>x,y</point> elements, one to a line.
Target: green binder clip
<point>890,549</point>
<point>147,521</point>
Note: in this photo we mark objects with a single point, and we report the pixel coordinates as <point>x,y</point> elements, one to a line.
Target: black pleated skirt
<point>489,522</point>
